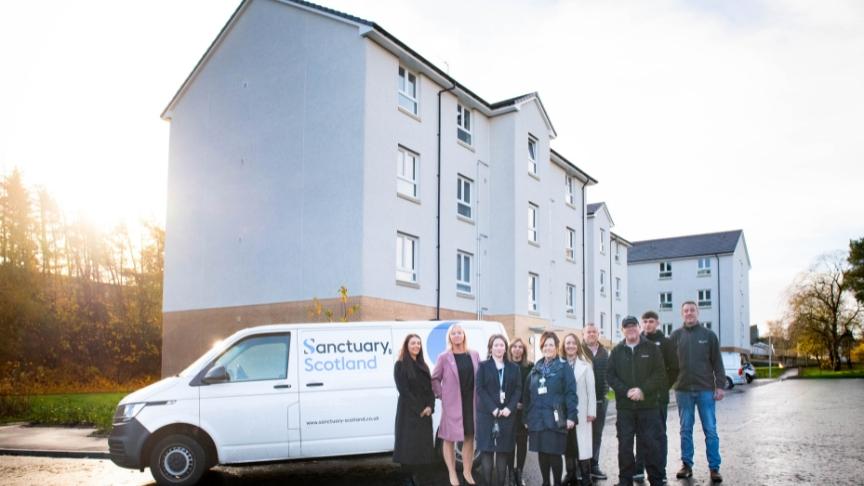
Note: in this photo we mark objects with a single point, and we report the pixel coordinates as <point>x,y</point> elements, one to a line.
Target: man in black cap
<point>637,374</point>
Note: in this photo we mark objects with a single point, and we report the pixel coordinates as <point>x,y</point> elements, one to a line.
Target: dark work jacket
<point>524,371</point>
<point>560,390</point>
<point>699,361</point>
<point>414,443</point>
<point>599,362</point>
<point>486,384</point>
<point>670,361</point>
<point>641,367</point>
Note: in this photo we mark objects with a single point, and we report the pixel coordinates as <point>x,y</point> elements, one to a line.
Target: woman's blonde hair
<point>464,336</point>
<point>524,351</point>
<point>580,351</point>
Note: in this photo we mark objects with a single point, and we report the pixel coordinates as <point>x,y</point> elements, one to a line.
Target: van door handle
<point>315,383</point>
<point>282,386</point>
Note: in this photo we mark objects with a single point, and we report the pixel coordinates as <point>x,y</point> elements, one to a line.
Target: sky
<point>695,116</point>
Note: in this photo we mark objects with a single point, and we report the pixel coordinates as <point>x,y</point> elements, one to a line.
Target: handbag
<point>560,416</point>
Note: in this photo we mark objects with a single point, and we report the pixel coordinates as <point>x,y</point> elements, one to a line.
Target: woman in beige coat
<point>580,444</point>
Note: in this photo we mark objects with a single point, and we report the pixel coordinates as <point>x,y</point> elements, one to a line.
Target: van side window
<point>257,358</point>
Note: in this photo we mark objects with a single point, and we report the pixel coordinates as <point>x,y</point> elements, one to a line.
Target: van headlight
<point>127,412</point>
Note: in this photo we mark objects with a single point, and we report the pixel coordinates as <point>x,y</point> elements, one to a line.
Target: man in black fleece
<point>701,378</point>
<point>636,373</point>
<point>650,322</point>
<point>599,358</point>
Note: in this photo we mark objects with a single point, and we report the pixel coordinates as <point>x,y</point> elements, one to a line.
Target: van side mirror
<point>217,375</point>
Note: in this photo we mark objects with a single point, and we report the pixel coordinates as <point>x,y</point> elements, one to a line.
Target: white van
<point>274,393</point>
<point>734,369</point>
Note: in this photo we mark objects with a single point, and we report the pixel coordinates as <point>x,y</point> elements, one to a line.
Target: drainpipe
<point>611,299</point>
<point>584,185</point>
<point>719,304</point>
<point>438,214</point>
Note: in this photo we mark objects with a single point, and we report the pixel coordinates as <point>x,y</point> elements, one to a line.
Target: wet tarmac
<point>791,432</point>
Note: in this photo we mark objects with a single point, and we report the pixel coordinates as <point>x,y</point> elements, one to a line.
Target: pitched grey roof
<point>593,207</point>
<point>684,246</point>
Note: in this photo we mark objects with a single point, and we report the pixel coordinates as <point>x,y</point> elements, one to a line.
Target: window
<point>667,328</point>
<point>532,222</point>
<point>665,270</point>
<point>665,300</point>
<point>407,165</point>
<point>704,299</point>
<point>704,267</point>
<point>463,197</point>
<point>617,288</point>
<point>532,155</point>
<point>406,258</point>
<point>707,324</point>
<point>602,282</point>
<point>533,291</point>
<point>617,252</point>
<point>602,320</point>
<point>570,299</point>
<point>408,91</point>
<point>569,190</point>
<point>617,322</point>
<point>463,124</point>
<point>463,271</point>
<point>570,248</point>
<point>602,241</point>
<point>256,358</point>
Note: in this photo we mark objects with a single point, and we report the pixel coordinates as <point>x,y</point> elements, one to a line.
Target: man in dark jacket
<point>599,358</point>
<point>636,373</point>
<point>650,321</point>
<point>701,378</point>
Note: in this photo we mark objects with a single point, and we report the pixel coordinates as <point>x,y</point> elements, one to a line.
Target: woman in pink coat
<point>453,384</point>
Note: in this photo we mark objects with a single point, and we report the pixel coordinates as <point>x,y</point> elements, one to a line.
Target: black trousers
<point>643,426</point>
<point>597,430</point>
<point>664,445</point>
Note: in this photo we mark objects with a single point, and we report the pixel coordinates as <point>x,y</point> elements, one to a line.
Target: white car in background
<point>734,369</point>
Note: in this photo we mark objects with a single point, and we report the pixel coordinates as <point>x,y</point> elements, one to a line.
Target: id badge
<point>555,413</point>
<point>501,397</point>
<point>541,390</point>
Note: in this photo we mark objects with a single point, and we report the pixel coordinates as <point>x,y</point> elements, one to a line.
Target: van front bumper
<point>126,443</point>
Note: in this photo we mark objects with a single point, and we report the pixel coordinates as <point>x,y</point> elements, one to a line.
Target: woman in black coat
<point>499,389</point>
<point>519,356</point>
<point>414,444</point>
<point>550,408</point>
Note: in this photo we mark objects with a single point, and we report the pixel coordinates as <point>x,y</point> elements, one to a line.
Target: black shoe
<point>685,472</point>
<point>596,473</point>
<point>716,477</point>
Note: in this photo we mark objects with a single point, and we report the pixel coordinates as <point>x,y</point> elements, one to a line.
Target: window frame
<point>533,217</point>
<point>461,258</point>
<point>663,304</point>
<point>403,75</point>
<point>701,300</point>
<point>400,257</point>
<point>533,292</point>
<point>617,288</point>
<point>532,155</point>
<point>703,271</point>
<point>667,273</point>
<point>287,335</point>
<point>570,244</point>
<point>603,282</point>
<point>570,299</point>
<point>462,127</point>
<point>569,190</point>
<point>461,182</point>
<point>402,153</point>
<point>602,241</point>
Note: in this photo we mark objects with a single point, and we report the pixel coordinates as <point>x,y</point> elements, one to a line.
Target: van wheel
<point>729,384</point>
<point>178,460</point>
<point>749,379</point>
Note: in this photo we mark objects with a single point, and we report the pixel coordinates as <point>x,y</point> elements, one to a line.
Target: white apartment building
<point>606,266</point>
<point>305,155</point>
<point>710,269</point>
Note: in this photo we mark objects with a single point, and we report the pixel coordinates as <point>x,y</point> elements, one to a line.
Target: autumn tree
<point>855,273</point>
<point>822,310</point>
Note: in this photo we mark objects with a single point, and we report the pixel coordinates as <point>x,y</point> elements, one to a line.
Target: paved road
<point>792,432</point>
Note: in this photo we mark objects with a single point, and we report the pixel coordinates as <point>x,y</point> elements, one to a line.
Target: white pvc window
<point>463,197</point>
<point>704,267</point>
<point>617,288</point>
<point>407,172</point>
<point>532,222</point>
<point>667,328</point>
<point>665,270</point>
<point>533,291</point>
<point>463,124</point>
<point>665,300</point>
<point>532,155</point>
<point>707,324</point>
<point>407,83</point>
<point>569,190</point>
<point>617,252</point>
<point>602,241</point>
<point>602,282</point>
<point>463,271</point>
<point>704,299</point>
<point>570,248</point>
<point>570,299</point>
<point>406,257</point>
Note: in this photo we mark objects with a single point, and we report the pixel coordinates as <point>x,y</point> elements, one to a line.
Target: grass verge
<point>762,372</point>
<point>71,409</point>
<point>817,373</point>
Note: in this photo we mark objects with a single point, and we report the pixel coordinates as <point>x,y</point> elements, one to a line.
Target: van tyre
<point>178,460</point>
<point>749,379</point>
<point>729,384</point>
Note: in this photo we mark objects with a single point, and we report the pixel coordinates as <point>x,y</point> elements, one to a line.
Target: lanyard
<point>501,379</point>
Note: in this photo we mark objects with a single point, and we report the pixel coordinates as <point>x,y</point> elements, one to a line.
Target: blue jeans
<point>704,401</point>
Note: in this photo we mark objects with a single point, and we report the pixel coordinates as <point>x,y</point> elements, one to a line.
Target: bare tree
<point>822,309</point>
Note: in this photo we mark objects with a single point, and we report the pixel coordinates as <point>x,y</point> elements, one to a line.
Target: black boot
<point>517,477</point>
<point>585,469</point>
<point>572,474</point>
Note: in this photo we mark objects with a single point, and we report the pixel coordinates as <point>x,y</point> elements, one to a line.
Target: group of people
<point>556,407</point>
